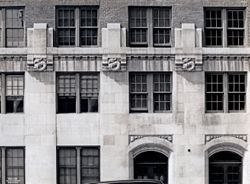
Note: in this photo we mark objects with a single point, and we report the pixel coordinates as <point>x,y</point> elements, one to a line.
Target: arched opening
<point>225,167</point>
<point>151,165</point>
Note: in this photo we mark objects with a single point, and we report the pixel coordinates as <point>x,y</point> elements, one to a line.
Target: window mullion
<point>3,94</point>
<point>77,93</point>
<point>224,25</point>
<point>77,27</point>
<point>3,166</point>
<point>150,93</point>
<point>225,88</point>
<point>2,44</point>
<point>150,27</point>
<point>78,165</point>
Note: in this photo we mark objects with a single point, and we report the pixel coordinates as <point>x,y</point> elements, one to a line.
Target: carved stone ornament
<point>133,138</point>
<point>40,64</point>
<point>114,64</point>
<point>188,64</point>
<point>211,137</point>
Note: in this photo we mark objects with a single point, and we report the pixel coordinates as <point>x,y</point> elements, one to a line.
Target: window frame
<point>150,93</point>
<point>3,26</point>
<point>78,98</point>
<point>225,28</point>
<point>78,27</point>
<point>226,92</point>
<point>150,27</point>
<point>3,93</point>
<point>79,166</point>
<point>3,158</point>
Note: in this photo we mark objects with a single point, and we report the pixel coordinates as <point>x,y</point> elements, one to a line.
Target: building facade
<point>97,90</point>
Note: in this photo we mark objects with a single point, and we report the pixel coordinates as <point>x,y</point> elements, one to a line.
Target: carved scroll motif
<point>40,64</point>
<point>188,64</point>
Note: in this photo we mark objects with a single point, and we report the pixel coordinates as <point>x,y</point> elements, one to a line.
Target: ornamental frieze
<point>133,138</point>
<point>211,137</point>
<point>40,63</point>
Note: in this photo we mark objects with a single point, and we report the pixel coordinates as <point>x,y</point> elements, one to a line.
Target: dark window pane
<point>66,104</point>
<point>15,165</point>
<point>67,166</point>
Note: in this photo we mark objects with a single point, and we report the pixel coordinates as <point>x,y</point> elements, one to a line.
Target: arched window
<point>151,165</point>
<point>225,167</point>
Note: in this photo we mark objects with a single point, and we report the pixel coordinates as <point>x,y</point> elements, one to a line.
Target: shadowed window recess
<point>77,92</point>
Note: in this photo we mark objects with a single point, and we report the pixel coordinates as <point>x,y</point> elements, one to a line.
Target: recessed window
<point>13,30</point>
<point>224,27</point>
<point>225,92</point>
<point>14,170</point>
<point>149,26</point>
<point>150,92</point>
<point>225,167</point>
<point>77,26</point>
<point>78,161</point>
<point>77,92</point>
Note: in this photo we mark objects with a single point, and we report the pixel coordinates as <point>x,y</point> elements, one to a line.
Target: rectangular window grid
<point>88,26</point>
<point>214,92</point>
<point>14,93</point>
<point>66,26</point>
<point>162,92</point>
<point>236,92</point>
<point>161,26</point>
<point>67,85</point>
<point>235,30</point>
<point>15,165</point>
<point>78,165</point>
<point>14,27</point>
<point>67,166</point>
<point>89,93</point>
<point>213,27</point>
<point>138,26</point>
<point>138,92</point>
<point>90,163</point>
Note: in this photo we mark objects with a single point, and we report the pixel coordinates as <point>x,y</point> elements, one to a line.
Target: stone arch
<point>146,144</point>
<point>224,143</point>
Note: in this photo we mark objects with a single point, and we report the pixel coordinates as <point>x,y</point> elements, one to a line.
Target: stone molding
<point>211,137</point>
<point>133,138</point>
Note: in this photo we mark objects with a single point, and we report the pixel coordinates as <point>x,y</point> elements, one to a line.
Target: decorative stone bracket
<point>114,64</point>
<point>188,43</point>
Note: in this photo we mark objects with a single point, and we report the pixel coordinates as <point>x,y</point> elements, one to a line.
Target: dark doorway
<point>151,165</point>
<point>225,168</point>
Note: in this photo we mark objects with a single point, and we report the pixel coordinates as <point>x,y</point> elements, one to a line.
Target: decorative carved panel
<point>211,137</point>
<point>114,64</point>
<point>40,63</point>
<point>133,138</point>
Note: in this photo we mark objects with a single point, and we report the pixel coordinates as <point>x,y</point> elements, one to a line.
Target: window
<point>77,26</point>
<point>14,169</point>
<point>224,27</point>
<point>225,167</point>
<point>147,86</point>
<point>225,92</point>
<point>149,26</point>
<point>12,30</point>
<point>12,93</point>
<point>77,92</point>
<point>78,165</point>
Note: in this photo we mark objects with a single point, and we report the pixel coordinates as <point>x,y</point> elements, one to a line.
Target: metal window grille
<point>161,26</point>
<point>66,85</point>
<point>235,29</point>
<point>213,27</point>
<point>138,26</point>
<point>15,165</point>
<point>14,27</point>
<point>66,26</point>
<point>90,163</point>
<point>162,92</point>
<point>88,26</point>
<point>236,92</point>
<point>214,92</point>
<point>138,92</point>
<point>67,166</point>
